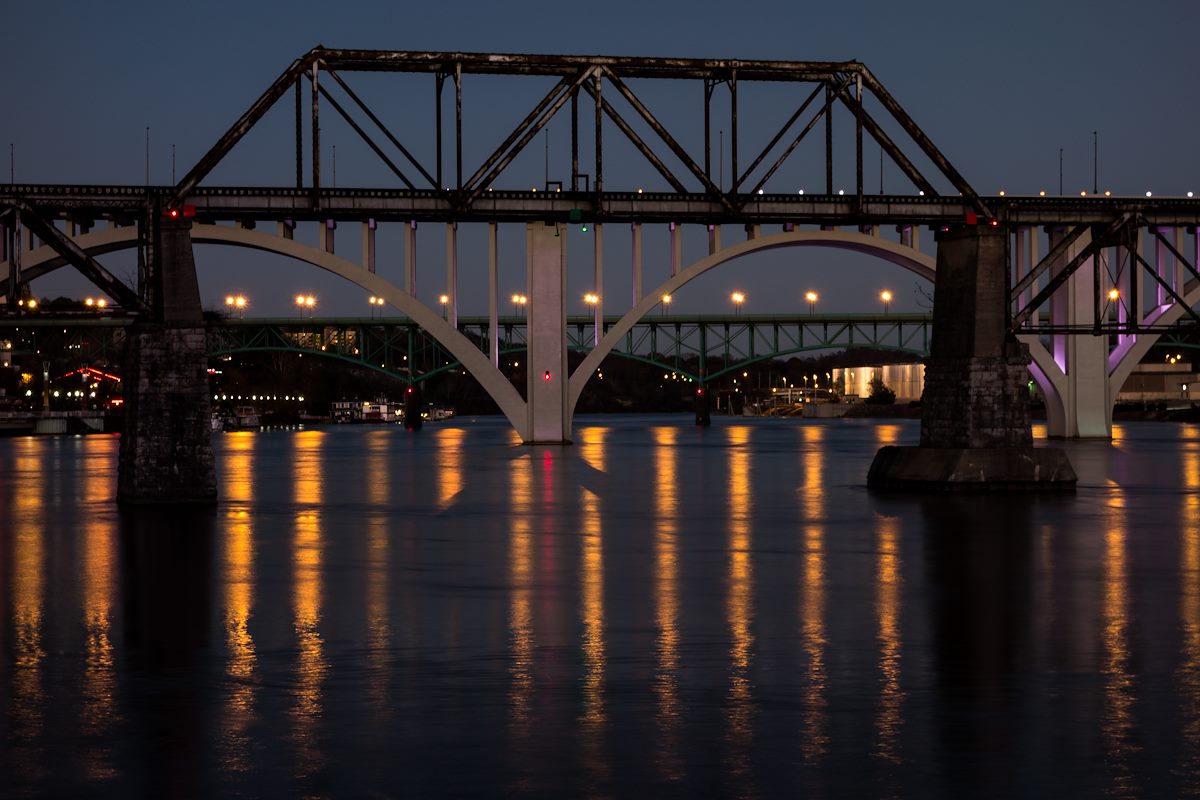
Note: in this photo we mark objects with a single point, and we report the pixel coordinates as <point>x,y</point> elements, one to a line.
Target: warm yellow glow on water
<point>307,565</point>
<point>520,610</point>
<point>890,720</point>
<point>28,596</point>
<point>451,465</point>
<point>666,601</point>
<point>1117,726</point>
<point>1189,602</point>
<point>240,652</point>
<point>814,736</point>
<point>740,608</point>
<point>592,616</point>
<point>237,466</point>
<point>98,564</point>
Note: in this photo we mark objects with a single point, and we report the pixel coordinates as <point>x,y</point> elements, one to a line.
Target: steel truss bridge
<point>703,348</point>
<point>1093,280</point>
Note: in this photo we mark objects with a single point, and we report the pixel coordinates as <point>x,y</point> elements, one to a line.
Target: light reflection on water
<point>657,609</point>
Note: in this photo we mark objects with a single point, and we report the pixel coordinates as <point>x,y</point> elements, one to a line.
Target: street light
<point>591,298</point>
<point>306,302</point>
<point>666,301</point>
<point>1113,293</point>
<point>519,300</point>
<point>811,297</point>
<point>738,298</point>
<point>444,299</point>
<point>886,297</point>
<point>375,302</point>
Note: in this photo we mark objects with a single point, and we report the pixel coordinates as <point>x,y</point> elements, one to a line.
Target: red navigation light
<point>172,212</point>
<point>410,390</point>
<point>546,375</point>
<point>995,223</point>
<point>699,391</point>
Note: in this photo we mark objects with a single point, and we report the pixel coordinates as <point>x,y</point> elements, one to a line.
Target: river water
<point>658,610</point>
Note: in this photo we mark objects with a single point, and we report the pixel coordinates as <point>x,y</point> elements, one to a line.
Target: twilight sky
<point>999,87</point>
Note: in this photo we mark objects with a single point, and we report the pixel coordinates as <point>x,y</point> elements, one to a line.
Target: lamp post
<point>444,300</point>
<point>811,297</point>
<point>518,301</point>
<point>376,302</point>
<point>886,297</point>
<point>306,302</point>
<point>738,298</point>
<point>666,301</point>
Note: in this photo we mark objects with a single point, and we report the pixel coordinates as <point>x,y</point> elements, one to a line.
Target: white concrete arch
<point>899,254</point>
<point>501,390</point>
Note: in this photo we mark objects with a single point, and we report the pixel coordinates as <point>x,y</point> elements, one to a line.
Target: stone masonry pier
<point>975,428</point>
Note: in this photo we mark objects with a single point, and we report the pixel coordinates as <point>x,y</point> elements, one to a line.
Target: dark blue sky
<point>999,88</point>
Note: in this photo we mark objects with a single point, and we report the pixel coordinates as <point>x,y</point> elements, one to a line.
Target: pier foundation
<point>166,454</point>
<point>975,428</point>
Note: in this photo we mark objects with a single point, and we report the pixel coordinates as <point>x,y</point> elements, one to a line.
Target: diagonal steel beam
<point>1178,256</point>
<point>1056,252</point>
<point>880,135</point>
<point>1166,287</point>
<point>779,135</point>
<point>1092,249</point>
<point>240,128</point>
<point>812,123</point>
<point>363,134</point>
<point>379,124</point>
<point>638,142</point>
<point>554,93</point>
<point>924,142</point>
<point>669,140</point>
<point>89,267</point>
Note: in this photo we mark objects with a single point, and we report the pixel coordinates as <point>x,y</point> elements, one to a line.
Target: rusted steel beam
<point>1166,286</point>
<point>823,112</point>
<point>889,146</point>
<point>1056,252</point>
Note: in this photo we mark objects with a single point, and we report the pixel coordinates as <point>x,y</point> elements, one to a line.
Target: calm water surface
<point>657,610</point>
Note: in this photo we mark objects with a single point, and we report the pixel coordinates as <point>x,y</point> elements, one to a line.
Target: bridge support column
<point>975,431</point>
<point>549,420</point>
<point>166,448</point>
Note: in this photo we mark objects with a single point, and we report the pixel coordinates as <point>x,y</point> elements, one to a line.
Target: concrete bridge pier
<point>547,403</point>
<point>975,429</point>
<point>166,452</point>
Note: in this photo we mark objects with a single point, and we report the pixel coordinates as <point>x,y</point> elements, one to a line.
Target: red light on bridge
<point>546,375</point>
<point>409,390</point>
<point>699,391</point>
<point>187,210</point>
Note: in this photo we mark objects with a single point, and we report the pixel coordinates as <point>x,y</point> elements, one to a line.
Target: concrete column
<point>285,228</point>
<point>598,283</point>
<point>410,258</point>
<point>636,227</point>
<point>549,418</point>
<point>326,235</point>
<point>1023,236</point>
<point>714,238</point>
<point>676,250</point>
<point>493,300</point>
<point>1180,279</point>
<point>166,449</point>
<point>368,245</point>
<point>1088,403</point>
<point>1162,267</point>
<point>452,273</point>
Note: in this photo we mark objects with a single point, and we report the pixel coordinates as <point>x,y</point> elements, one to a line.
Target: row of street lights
<point>307,302</point>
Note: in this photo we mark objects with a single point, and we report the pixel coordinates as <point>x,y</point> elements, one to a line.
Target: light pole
<point>811,297</point>
<point>886,297</point>
<point>666,301</point>
<point>738,298</point>
<point>519,301</point>
<point>306,302</point>
<point>376,302</point>
<point>444,300</point>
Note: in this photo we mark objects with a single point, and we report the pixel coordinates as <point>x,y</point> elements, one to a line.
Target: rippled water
<point>656,610</point>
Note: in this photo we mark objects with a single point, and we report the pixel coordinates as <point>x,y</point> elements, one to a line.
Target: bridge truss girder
<point>847,84</point>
